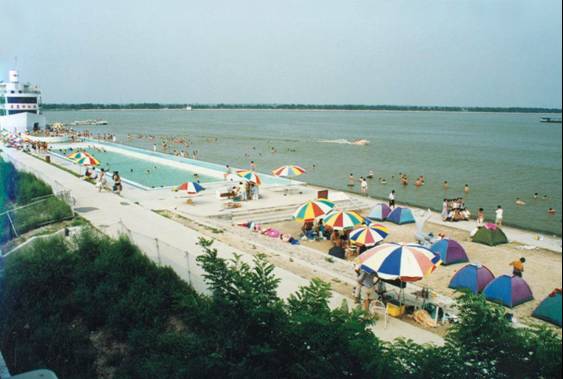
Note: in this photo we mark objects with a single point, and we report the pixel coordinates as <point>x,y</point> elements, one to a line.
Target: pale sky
<point>456,52</point>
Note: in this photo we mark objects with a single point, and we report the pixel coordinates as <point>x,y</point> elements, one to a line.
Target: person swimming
<point>519,201</point>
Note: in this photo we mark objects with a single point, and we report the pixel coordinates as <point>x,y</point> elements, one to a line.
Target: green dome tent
<point>550,308</point>
<point>490,235</point>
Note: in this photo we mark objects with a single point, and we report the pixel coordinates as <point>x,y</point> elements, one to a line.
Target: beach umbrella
<point>342,220</point>
<point>313,209</point>
<point>250,176</point>
<point>83,158</point>
<point>290,170</point>
<point>191,188</point>
<point>369,235</point>
<point>406,262</point>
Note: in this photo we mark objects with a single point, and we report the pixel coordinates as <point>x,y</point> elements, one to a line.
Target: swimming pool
<point>146,172</point>
<point>151,169</point>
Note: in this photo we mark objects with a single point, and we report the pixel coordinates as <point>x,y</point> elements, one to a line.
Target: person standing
<point>117,186</point>
<point>445,210</point>
<point>102,180</point>
<point>392,199</point>
<point>466,188</point>
<point>366,281</point>
<point>252,166</point>
<point>518,267</point>
<point>481,217</point>
<point>351,180</point>
<point>228,172</point>
<point>363,186</point>
<point>499,215</point>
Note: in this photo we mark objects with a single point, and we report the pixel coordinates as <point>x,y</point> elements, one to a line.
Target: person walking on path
<point>499,215</point>
<point>518,267</point>
<point>392,199</point>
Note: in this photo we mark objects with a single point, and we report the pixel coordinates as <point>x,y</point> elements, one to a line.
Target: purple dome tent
<point>508,290</point>
<point>472,277</point>
<point>450,252</point>
<point>379,212</point>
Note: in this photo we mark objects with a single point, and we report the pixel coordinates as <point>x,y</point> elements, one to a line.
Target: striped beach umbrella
<point>290,170</point>
<point>191,188</point>
<point>83,158</point>
<point>343,220</point>
<point>369,235</point>
<point>250,176</point>
<point>313,209</point>
<point>392,261</point>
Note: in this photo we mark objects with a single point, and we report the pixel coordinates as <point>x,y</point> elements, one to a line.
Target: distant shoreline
<point>292,108</point>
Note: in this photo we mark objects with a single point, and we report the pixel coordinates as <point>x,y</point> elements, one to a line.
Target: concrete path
<point>171,243</point>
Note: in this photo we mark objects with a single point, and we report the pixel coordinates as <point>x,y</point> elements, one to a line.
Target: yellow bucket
<point>394,310</point>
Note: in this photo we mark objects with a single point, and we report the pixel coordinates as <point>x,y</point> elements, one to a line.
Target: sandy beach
<point>542,271</point>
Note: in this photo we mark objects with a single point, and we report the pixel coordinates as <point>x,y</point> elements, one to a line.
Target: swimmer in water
<point>551,212</point>
<point>520,201</point>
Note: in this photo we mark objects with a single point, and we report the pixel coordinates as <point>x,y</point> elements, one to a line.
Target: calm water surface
<point>501,156</point>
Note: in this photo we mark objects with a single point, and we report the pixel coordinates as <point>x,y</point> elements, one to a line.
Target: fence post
<point>12,224</point>
<point>187,254</point>
<point>158,251</point>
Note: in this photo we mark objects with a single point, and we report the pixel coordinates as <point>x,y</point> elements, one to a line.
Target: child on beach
<point>518,267</point>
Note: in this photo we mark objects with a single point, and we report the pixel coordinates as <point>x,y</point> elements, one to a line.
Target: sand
<point>543,270</point>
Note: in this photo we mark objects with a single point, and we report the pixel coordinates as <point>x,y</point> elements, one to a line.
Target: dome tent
<point>472,277</point>
<point>508,290</point>
<point>550,308</point>
<point>490,235</point>
<point>450,252</point>
<point>401,216</point>
<point>379,212</point>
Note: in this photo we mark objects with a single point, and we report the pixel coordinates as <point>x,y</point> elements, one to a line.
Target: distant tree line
<point>99,308</point>
<point>327,107</point>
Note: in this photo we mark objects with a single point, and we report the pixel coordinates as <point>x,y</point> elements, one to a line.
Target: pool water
<point>145,172</point>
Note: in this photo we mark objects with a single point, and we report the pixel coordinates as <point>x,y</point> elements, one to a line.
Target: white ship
<point>20,110</point>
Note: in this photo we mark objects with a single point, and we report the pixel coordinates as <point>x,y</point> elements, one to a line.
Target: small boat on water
<point>550,120</point>
<point>361,142</point>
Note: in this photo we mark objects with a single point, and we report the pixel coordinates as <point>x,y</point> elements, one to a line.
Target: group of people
<point>244,191</point>
<point>100,178</point>
<point>455,210</point>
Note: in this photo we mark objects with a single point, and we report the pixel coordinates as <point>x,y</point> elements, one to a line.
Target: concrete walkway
<point>171,243</point>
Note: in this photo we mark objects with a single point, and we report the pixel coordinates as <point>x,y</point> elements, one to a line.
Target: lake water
<point>501,156</point>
